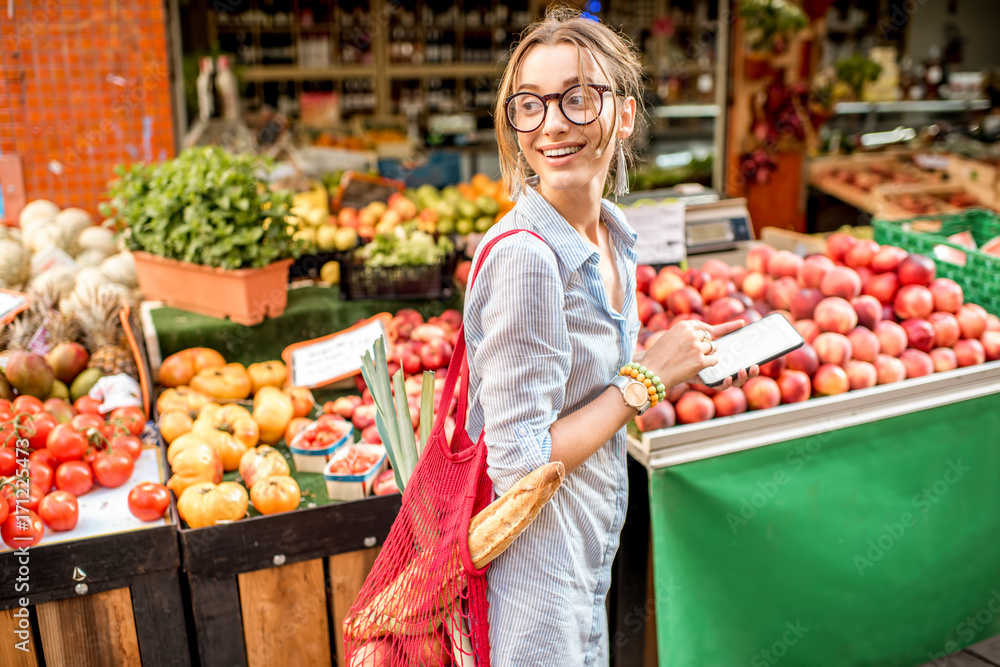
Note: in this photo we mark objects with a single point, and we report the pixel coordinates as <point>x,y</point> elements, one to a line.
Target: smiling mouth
<point>559,152</point>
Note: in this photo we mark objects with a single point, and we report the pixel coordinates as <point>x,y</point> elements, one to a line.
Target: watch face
<point>636,394</point>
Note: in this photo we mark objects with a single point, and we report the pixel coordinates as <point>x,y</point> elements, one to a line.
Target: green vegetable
<point>856,71</point>
<point>206,207</point>
<point>769,23</point>
<point>406,247</point>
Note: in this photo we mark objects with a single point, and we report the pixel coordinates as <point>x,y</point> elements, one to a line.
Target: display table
<point>311,312</point>
<point>859,529</point>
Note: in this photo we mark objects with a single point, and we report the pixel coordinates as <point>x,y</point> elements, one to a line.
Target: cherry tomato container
<point>355,485</point>
<point>309,458</point>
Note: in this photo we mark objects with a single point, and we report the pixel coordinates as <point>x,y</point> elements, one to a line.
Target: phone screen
<point>766,339</point>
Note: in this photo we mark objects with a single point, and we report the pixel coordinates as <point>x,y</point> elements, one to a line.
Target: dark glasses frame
<point>600,88</point>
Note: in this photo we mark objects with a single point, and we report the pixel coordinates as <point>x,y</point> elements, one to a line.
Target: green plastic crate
<point>980,276</point>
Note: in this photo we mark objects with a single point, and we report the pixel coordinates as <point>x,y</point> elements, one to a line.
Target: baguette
<point>491,531</point>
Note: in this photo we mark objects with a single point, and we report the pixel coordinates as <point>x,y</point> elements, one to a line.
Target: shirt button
<point>522,431</point>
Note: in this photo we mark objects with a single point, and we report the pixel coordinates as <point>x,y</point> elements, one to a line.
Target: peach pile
<point>869,314</point>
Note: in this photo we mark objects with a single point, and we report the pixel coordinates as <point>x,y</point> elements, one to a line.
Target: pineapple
<point>98,316</point>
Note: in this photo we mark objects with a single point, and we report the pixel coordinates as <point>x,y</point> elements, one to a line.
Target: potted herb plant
<point>770,25</point>
<point>207,234</point>
<point>855,71</point>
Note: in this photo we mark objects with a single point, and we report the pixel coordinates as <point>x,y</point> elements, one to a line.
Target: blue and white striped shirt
<point>543,341</point>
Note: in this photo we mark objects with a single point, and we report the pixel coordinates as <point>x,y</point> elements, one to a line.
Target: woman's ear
<point>626,118</point>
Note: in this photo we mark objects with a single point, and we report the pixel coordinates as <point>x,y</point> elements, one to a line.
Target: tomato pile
<point>72,447</point>
<point>356,461</point>
<point>329,430</point>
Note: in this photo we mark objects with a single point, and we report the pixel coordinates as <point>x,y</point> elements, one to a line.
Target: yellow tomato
<point>267,374</point>
<point>207,504</point>
<point>174,424</point>
<point>180,367</point>
<point>272,410</point>
<point>197,463</point>
<point>278,493</point>
<point>182,399</point>
<point>302,401</point>
<point>229,382</point>
<point>181,443</point>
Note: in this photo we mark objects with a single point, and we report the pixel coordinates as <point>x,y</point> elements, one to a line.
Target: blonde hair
<point>616,59</point>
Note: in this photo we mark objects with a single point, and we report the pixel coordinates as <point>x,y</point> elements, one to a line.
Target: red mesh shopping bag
<point>424,602</point>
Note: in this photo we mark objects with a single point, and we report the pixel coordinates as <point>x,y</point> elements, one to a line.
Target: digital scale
<point>710,224</point>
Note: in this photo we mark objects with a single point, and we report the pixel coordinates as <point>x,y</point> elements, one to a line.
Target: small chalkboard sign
<point>358,190</point>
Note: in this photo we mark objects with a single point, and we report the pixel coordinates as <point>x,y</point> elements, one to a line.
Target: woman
<point>548,327</point>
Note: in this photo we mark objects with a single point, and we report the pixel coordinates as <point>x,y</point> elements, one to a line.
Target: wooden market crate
<point>274,590</point>
<point>891,201</point>
<point>127,611</point>
<point>827,174</point>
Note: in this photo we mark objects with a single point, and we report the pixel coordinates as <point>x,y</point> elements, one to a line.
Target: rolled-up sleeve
<point>522,359</point>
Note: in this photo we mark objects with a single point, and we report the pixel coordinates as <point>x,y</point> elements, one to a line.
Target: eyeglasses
<point>581,105</point>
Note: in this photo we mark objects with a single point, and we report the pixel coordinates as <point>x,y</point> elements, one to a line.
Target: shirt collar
<point>536,212</point>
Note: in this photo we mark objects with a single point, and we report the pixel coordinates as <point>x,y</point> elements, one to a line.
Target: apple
<point>686,300</point>
<point>28,373</point>
<point>647,307</point>
<point>67,360</point>
<point>696,278</point>
<point>717,269</point>
<point>972,320</point>
<point>737,274</point>
<point>803,359</point>
<point>833,348</point>
<point>345,406</point>
<point>781,292</point>
<point>969,352</point>
<point>861,253</point>
<point>773,368</point>
<point>758,257</point>
<point>838,245</point>
<point>946,329</point>
<point>725,309</point>
<point>659,322</point>
<point>944,359</point>
<point>795,386</point>
<point>890,369</point>
<point>435,354</point>
<point>868,309</point>
<point>665,284</point>
<point>835,314</point>
<point>661,415</point>
<point>704,389</point>
<point>882,286</point>
<point>371,436</point>
<point>814,268</point>
<point>748,316</point>
<point>755,285</point>
<point>948,296</point>
<point>808,329</point>
<point>887,258</point>
<point>784,264</point>
<point>919,334</point>
<point>992,322</point>
<point>841,281</point>
<point>913,301</point>
<point>694,407</point>
<point>803,304</point>
<point>762,392</point>
<point>453,318</point>
<point>644,277</point>
<point>686,316</point>
<point>674,393</point>
<point>917,363</point>
<point>892,338</point>
<point>364,416</point>
<point>865,345</point>
<point>830,379</point>
<point>714,289</point>
<point>991,344</point>
<point>730,402</point>
<point>861,374</point>
<point>916,270</point>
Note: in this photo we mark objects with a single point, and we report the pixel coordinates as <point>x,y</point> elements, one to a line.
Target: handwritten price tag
<point>661,232</point>
<point>323,361</point>
<point>12,303</point>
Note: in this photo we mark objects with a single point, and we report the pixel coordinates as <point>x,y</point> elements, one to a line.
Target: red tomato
<point>3,512</point>
<point>112,469</point>
<point>6,406</point>
<point>45,456</point>
<point>8,495</point>
<point>59,510</point>
<point>42,423</point>
<point>132,418</point>
<point>8,462</point>
<point>22,530</point>
<point>66,443</point>
<point>41,475</point>
<point>148,501</point>
<point>28,404</point>
<point>35,495</point>
<point>85,421</point>
<point>129,444</point>
<point>86,404</point>
<point>75,477</point>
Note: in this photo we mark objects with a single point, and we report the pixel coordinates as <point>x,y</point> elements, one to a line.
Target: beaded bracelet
<point>657,392</point>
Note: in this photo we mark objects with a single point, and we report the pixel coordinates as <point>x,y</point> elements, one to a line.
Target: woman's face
<point>563,154</point>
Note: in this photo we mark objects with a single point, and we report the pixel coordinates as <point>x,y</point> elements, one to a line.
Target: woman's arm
<point>677,357</point>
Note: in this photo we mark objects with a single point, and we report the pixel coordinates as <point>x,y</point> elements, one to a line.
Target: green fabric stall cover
<point>876,545</point>
<point>311,312</point>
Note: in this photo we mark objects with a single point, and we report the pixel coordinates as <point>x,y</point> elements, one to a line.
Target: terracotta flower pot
<point>758,65</point>
<point>245,296</point>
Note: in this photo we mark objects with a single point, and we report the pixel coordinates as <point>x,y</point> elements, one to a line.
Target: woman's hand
<point>686,349</point>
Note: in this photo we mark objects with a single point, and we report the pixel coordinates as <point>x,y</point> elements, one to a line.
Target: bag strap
<point>459,352</point>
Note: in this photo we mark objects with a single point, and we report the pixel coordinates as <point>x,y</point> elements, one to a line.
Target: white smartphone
<point>757,343</point>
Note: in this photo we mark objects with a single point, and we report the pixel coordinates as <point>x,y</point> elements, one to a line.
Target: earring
<point>521,179</point>
<point>621,172</point>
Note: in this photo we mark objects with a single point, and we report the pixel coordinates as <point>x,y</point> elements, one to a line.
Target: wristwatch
<point>635,393</point>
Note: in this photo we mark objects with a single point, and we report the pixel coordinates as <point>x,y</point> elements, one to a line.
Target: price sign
<point>12,303</point>
<point>323,361</point>
<point>660,228</point>
<point>359,190</point>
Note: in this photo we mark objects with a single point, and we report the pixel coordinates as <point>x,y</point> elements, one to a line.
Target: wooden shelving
<point>297,73</point>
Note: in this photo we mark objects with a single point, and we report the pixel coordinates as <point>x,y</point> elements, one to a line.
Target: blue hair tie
<point>589,17</point>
